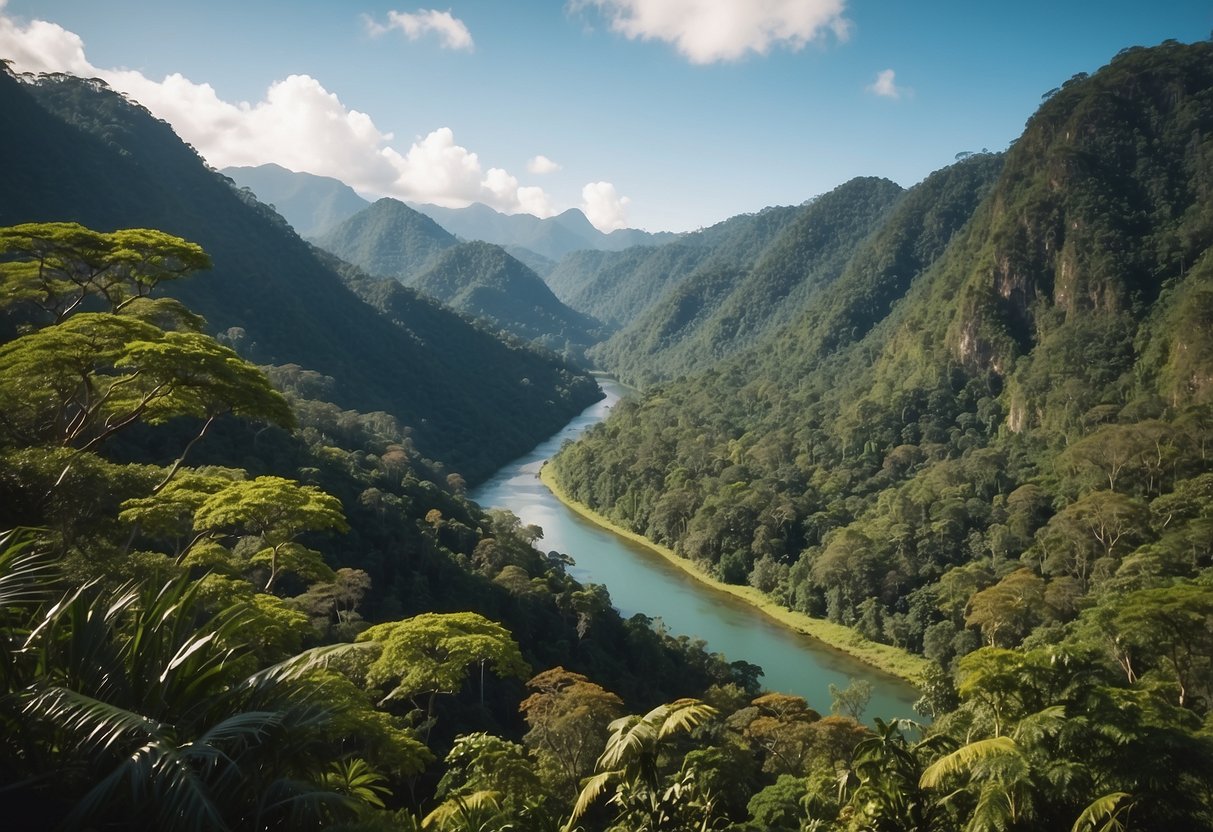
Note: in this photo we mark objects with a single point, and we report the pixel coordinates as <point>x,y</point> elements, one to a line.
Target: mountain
<point>984,430</point>
<point>311,204</point>
<point>388,239</point>
<point>617,286</point>
<point>482,280</point>
<point>722,309</point>
<point>916,233</point>
<point>537,263</point>
<point>551,237</point>
<point>76,151</point>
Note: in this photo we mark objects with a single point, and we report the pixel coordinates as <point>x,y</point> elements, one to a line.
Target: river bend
<point>640,580</point>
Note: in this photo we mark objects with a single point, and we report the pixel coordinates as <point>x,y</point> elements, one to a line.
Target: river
<point>640,580</point>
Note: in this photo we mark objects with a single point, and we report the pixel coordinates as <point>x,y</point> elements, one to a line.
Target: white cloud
<point>298,124</point>
<point>42,47</point>
<point>706,31</point>
<point>885,85</point>
<point>451,30</point>
<point>541,164</point>
<point>604,207</point>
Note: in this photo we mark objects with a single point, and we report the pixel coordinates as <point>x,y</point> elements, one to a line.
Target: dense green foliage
<point>993,429</point>
<point>724,307</point>
<point>245,607</point>
<point>76,151</point>
<point>179,634</point>
<point>311,204</point>
<point>388,239</point>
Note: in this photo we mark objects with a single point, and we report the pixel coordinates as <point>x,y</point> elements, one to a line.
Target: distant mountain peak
<point>310,203</point>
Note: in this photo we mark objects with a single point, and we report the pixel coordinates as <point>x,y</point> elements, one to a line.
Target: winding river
<point>640,580</point>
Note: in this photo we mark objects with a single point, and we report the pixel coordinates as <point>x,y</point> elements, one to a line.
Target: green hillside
<point>389,239</point>
<point>618,286</point>
<point>724,307</point>
<point>998,454</point>
<point>482,280</point>
<point>77,151</point>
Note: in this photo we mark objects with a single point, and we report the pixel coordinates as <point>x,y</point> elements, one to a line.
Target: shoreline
<point>892,660</point>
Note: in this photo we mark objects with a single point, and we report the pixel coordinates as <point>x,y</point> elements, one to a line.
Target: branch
<point>184,453</point>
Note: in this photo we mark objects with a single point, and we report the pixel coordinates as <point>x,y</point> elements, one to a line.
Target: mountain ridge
<point>78,151</point>
<point>311,204</point>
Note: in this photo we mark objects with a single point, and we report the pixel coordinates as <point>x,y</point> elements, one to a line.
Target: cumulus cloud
<point>541,164</point>
<point>298,124</point>
<point>450,30</point>
<point>706,31</point>
<point>42,47</point>
<point>885,85</point>
<point>604,207</point>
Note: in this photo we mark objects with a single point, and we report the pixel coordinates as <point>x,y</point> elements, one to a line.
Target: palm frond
<point>460,806</point>
<point>1035,727</point>
<point>630,736</point>
<point>296,667</point>
<point>98,725</point>
<point>26,577</point>
<point>965,758</point>
<point>1102,814</point>
<point>683,715</point>
<point>591,789</point>
<point>992,812</point>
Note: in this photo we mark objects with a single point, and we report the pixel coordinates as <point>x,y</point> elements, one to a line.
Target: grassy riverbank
<point>882,656</point>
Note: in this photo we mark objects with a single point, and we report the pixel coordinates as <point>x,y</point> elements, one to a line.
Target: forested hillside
<point>388,239</point>
<point>727,306</point>
<point>617,286</point>
<point>993,436</point>
<point>240,597</point>
<point>482,280</point>
<point>1049,368</point>
<point>74,150</point>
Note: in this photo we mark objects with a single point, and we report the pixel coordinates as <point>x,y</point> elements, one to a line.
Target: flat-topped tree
<point>430,654</point>
<point>56,266</point>
<point>88,375</point>
<point>277,511</point>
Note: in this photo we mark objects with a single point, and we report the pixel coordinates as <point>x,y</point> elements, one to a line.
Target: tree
<point>277,511</point>
<point>852,700</point>
<point>90,375</point>
<point>568,717</point>
<point>1171,628</point>
<point>1091,532</point>
<point>781,726</point>
<point>79,382</point>
<point>885,793</point>
<point>1006,611</point>
<point>56,266</point>
<point>484,764</point>
<point>422,657</point>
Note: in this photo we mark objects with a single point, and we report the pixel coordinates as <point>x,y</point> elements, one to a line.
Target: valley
<point>333,505</point>
<point>641,581</point>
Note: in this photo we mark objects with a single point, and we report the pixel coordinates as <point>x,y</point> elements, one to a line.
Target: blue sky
<point>635,99</point>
